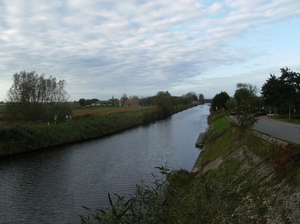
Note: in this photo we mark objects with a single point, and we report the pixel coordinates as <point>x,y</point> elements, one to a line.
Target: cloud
<point>105,48</point>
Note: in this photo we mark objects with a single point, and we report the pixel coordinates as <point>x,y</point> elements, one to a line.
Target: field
<point>99,111</point>
<point>92,111</point>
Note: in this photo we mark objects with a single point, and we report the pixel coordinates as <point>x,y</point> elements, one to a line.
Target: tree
<point>231,104</point>
<point>271,91</point>
<point>290,87</point>
<point>36,98</point>
<point>246,118</point>
<point>123,99</point>
<point>219,100</point>
<point>245,93</point>
<point>82,102</point>
<point>134,97</point>
<point>191,97</point>
<point>201,98</point>
<point>147,101</point>
<point>282,91</point>
<point>163,101</point>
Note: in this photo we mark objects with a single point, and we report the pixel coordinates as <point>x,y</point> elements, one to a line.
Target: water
<point>51,186</point>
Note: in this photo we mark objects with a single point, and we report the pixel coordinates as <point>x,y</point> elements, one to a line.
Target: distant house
<point>133,103</point>
<point>102,103</point>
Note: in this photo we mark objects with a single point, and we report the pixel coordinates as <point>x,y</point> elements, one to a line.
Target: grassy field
<point>91,111</point>
<point>99,111</point>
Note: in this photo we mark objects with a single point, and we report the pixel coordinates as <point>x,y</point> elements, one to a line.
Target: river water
<point>51,186</point>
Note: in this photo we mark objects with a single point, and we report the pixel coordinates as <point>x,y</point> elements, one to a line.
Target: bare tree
<point>123,99</point>
<point>36,98</point>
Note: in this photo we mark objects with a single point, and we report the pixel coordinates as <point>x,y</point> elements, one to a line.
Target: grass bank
<point>86,124</point>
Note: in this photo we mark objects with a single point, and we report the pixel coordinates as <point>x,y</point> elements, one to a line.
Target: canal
<point>51,186</point>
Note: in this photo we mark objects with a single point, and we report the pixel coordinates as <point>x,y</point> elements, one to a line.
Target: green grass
<point>219,147</point>
<point>220,125</point>
<point>286,119</point>
<point>231,167</point>
<point>34,136</point>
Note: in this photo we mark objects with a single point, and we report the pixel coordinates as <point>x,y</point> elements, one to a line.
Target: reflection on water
<point>52,185</point>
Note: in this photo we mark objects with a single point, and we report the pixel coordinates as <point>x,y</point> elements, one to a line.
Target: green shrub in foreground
<point>178,197</point>
<point>151,204</point>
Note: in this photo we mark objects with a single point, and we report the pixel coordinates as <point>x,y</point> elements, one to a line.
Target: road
<point>283,130</point>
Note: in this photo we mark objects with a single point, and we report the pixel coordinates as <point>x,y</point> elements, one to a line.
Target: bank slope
<point>244,179</point>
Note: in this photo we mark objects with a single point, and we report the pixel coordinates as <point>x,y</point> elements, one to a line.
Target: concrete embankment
<point>200,141</point>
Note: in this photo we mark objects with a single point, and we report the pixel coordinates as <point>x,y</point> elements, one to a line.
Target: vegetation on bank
<point>242,179</point>
<point>19,137</point>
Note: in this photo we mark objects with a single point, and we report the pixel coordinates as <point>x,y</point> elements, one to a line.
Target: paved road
<point>278,129</point>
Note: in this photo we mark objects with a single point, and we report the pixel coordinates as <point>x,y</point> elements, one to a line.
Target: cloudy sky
<point>107,48</point>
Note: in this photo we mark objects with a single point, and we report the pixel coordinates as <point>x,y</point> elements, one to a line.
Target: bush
<point>287,159</point>
<point>246,117</point>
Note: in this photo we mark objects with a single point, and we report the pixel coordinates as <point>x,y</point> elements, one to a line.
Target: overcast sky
<point>107,48</point>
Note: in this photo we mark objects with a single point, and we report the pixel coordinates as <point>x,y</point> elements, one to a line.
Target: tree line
<point>283,92</point>
<point>37,98</point>
<point>278,94</point>
<point>146,101</point>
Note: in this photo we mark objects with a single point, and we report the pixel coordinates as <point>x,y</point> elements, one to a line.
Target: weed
<point>262,209</point>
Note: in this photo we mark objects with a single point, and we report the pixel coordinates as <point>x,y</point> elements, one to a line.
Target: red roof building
<point>133,103</point>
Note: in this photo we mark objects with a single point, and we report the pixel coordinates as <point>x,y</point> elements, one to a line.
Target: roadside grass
<point>286,119</point>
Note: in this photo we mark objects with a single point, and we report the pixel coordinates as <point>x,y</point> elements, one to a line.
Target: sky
<point>104,48</point>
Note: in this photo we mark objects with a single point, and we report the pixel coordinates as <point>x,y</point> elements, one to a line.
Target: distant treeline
<point>278,95</point>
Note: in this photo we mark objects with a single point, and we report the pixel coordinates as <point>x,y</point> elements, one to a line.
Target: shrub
<point>160,202</point>
<point>287,159</point>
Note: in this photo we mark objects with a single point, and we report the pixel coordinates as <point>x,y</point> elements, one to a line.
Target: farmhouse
<point>134,103</point>
<point>102,103</point>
